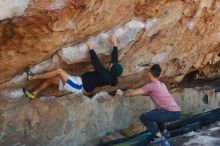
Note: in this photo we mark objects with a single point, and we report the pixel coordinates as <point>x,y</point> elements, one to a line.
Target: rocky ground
<point>207,136</point>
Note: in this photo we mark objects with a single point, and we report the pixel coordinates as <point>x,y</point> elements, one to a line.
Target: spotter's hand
<point>119,92</point>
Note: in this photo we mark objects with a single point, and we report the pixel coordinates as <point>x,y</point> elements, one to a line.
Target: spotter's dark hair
<point>155,70</point>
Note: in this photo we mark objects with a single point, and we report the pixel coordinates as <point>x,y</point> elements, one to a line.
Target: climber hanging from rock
<point>88,81</point>
<point>167,109</point>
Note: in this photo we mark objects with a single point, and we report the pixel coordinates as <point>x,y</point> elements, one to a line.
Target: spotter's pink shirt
<point>160,95</point>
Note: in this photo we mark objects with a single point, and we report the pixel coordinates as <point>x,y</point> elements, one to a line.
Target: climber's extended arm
<point>114,58</point>
<point>135,92</point>
<point>98,66</point>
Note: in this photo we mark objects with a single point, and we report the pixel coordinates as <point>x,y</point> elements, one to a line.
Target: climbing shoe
<point>29,73</point>
<point>28,94</point>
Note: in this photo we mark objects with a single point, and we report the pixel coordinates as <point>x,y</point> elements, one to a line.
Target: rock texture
<point>69,121</point>
<point>80,121</point>
<point>183,36</point>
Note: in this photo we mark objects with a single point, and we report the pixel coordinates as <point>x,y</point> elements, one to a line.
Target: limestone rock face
<point>80,121</point>
<point>183,36</point>
<point>67,121</point>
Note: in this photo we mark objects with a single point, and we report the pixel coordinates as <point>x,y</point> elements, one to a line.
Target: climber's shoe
<point>29,73</point>
<point>28,94</point>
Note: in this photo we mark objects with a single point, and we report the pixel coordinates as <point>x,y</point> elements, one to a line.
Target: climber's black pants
<point>160,117</point>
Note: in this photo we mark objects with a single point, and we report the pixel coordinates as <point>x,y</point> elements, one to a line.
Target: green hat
<point>116,69</point>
